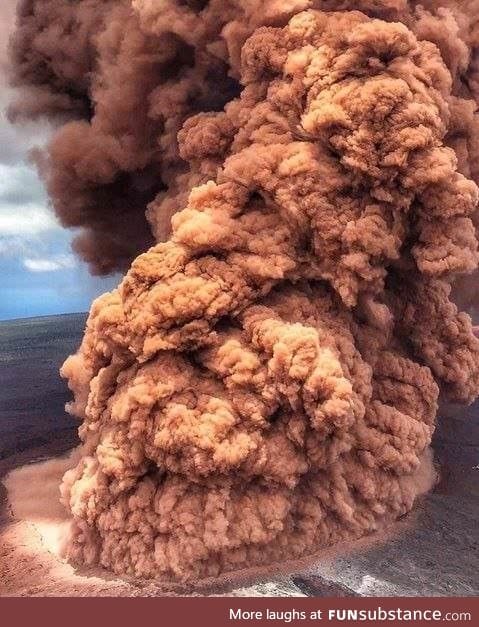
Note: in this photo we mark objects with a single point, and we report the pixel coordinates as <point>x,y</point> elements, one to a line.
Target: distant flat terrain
<point>32,394</point>
<point>434,551</point>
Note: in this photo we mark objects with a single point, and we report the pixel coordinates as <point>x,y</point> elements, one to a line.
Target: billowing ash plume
<point>265,382</point>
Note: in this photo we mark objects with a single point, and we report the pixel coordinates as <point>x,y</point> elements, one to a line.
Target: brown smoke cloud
<point>265,382</point>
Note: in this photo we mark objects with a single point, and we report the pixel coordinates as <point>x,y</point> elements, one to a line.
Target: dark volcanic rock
<point>32,395</point>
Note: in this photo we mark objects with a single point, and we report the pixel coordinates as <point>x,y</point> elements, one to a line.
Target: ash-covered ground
<point>433,551</point>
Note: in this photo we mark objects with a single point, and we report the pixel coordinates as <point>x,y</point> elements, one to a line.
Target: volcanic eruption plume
<point>264,381</point>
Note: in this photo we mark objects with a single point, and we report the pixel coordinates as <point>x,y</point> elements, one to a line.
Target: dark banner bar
<point>231,611</point>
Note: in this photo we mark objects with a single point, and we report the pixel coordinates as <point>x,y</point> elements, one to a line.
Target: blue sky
<point>39,275</point>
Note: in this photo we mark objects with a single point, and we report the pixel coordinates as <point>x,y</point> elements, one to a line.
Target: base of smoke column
<point>426,553</point>
<point>430,552</point>
<point>33,525</point>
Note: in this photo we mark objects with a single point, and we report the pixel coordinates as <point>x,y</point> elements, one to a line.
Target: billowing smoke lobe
<point>265,382</point>
<point>126,90</point>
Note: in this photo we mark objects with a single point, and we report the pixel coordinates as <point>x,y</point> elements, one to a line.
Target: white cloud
<point>25,219</point>
<point>28,220</point>
<point>51,264</point>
